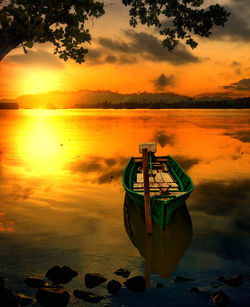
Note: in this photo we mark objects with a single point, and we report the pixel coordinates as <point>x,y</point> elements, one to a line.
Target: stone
<point>51,285</point>
<point>24,299</point>
<point>181,278</point>
<point>136,284</point>
<point>113,286</point>
<point>93,280</point>
<point>6,292</point>
<point>122,272</point>
<point>61,275</point>
<point>220,298</point>
<point>221,278</point>
<point>195,290</point>
<point>34,282</point>
<point>50,297</point>
<point>215,285</point>
<point>235,282</point>
<point>159,285</point>
<point>87,296</point>
<point>7,297</point>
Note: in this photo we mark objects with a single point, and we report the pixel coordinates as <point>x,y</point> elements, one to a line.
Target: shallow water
<point>61,197</point>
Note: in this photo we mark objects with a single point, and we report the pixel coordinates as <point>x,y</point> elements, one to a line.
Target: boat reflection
<point>164,249</point>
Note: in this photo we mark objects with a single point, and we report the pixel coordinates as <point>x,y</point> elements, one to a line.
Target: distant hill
<point>108,99</point>
<point>89,99</point>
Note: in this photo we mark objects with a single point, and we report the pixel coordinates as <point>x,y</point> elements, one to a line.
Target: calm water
<point>61,200</point>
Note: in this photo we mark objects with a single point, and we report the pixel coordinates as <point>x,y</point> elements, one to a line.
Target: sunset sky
<point>126,60</point>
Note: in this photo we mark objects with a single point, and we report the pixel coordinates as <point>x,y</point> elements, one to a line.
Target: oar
<point>148,254</point>
<point>148,219</point>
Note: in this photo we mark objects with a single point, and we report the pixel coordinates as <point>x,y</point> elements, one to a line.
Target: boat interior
<point>162,183</point>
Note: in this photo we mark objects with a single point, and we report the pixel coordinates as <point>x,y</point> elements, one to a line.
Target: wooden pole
<point>148,259</point>
<point>148,220</point>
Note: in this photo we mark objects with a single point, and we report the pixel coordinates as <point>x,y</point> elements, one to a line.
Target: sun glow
<point>40,81</point>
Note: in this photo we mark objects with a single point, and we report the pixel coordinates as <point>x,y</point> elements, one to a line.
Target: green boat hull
<point>162,209</point>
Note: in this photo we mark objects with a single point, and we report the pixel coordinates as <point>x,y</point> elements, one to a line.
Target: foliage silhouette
<point>63,22</point>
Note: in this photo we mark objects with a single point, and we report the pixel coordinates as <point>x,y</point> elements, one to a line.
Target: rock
<point>136,284</point>
<point>113,286</point>
<point>215,285</point>
<point>93,280</point>
<point>6,292</point>
<point>7,297</point>
<point>54,286</point>
<point>87,296</point>
<point>181,278</point>
<point>159,285</point>
<point>61,275</point>
<point>195,290</point>
<point>221,278</point>
<point>52,297</point>
<point>220,298</point>
<point>24,299</point>
<point>34,282</point>
<point>122,272</point>
<point>54,274</point>
<point>235,282</point>
<point>1,282</point>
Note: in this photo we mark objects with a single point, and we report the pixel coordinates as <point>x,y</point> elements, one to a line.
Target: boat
<point>169,186</point>
<point>165,248</point>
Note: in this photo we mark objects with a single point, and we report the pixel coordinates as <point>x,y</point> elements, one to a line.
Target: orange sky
<point>128,60</point>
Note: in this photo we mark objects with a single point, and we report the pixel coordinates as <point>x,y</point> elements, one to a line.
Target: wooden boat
<point>169,186</point>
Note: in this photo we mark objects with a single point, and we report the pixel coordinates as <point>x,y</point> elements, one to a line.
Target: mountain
<point>88,98</point>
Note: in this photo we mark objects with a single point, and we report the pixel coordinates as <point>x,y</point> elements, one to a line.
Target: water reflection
<point>6,225</point>
<point>242,135</point>
<point>221,212</point>
<point>222,198</point>
<point>61,192</point>
<point>163,139</point>
<point>164,249</point>
<point>99,169</point>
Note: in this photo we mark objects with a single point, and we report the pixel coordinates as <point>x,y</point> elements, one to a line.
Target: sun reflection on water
<point>42,143</point>
<point>42,149</point>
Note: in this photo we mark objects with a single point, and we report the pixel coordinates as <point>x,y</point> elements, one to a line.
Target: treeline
<point>240,103</point>
<point>9,106</point>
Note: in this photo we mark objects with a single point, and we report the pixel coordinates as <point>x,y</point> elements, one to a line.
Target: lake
<point>62,201</point>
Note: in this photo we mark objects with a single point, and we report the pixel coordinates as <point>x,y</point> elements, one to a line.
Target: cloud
<point>242,85</point>
<point>150,48</point>
<point>237,28</point>
<point>136,47</point>
<point>163,81</point>
<point>114,45</point>
<point>39,57</point>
